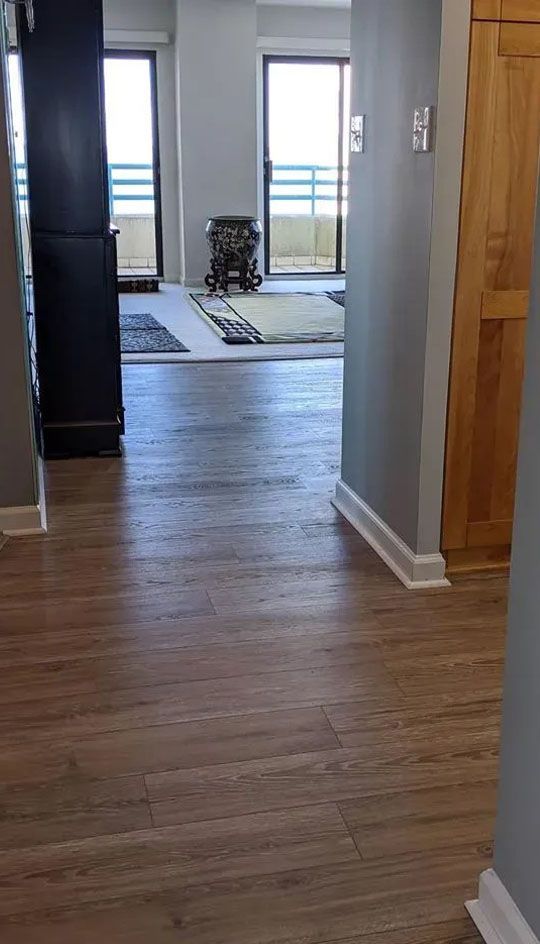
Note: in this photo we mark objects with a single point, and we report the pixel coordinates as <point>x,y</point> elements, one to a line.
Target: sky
<point>128,111</point>
<point>303,112</point>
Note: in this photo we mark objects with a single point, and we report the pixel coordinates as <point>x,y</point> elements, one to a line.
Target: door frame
<point>341,60</point>
<point>151,56</point>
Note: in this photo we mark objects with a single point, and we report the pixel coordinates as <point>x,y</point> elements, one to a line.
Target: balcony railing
<point>305,185</point>
<point>122,177</point>
<point>308,184</point>
<point>127,184</point>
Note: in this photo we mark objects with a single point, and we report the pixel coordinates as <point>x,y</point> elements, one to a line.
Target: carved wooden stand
<point>220,278</point>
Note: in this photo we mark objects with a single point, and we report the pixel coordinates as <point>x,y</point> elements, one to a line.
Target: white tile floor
<point>171,307</point>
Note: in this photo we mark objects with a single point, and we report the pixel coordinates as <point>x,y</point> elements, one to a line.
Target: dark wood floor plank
<point>107,673</point>
<point>368,901</point>
<point>331,776</point>
<point>70,808</point>
<point>454,673</point>
<point>113,866</point>
<point>25,647</point>
<point>165,747</point>
<point>422,820</point>
<point>71,716</point>
<point>442,720</point>
<point>216,698</point>
<point>201,743</point>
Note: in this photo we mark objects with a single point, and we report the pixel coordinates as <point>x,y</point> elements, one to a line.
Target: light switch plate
<point>358,134</point>
<point>423,129</point>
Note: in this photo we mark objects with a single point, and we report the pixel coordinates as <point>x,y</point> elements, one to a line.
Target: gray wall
<point>216,46</point>
<point>517,842</point>
<point>303,22</point>
<point>17,487</point>
<point>395,57</point>
<point>139,14</point>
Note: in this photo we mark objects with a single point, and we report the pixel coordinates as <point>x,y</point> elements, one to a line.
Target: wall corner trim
<point>17,522</point>
<point>496,914</point>
<point>131,37</point>
<point>297,45</point>
<point>416,571</point>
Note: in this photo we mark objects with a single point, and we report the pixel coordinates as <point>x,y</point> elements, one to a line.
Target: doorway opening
<point>306,158</point>
<point>131,118</point>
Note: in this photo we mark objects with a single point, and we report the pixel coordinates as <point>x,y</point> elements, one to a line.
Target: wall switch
<point>358,134</point>
<point>423,129</point>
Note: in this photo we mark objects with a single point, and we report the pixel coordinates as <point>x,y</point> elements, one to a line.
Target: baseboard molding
<point>115,37</point>
<point>416,571</point>
<point>17,522</point>
<point>496,914</point>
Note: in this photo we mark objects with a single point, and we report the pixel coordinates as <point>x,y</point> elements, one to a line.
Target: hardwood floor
<point>222,719</point>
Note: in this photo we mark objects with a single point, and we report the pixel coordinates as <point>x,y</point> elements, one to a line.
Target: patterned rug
<point>272,317</point>
<point>142,334</point>
<point>338,297</point>
<point>137,284</point>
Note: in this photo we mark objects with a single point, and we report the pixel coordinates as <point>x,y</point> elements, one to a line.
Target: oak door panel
<point>485,422</point>
<point>500,304</point>
<point>508,413</point>
<point>475,197</point>
<point>525,10</point>
<point>514,175</point>
<point>494,270</point>
<point>486,9</point>
<point>489,533</point>
<point>520,39</point>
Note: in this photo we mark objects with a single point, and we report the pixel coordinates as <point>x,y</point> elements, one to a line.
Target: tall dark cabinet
<point>74,248</point>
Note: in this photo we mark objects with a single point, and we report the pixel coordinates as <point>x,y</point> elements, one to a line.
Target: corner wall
<point>402,245</point>
<point>395,66</point>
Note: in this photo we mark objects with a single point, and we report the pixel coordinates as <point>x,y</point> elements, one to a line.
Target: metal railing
<point>301,183</point>
<point>118,180</point>
<point>307,187</point>
<point>118,193</point>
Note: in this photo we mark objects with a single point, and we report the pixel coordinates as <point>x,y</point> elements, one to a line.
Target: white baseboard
<point>496,914</point>
<point>28,519</point>
<point>120,37</point>
<point>416,571</point>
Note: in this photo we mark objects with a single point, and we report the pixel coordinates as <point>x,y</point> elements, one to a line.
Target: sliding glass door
<point>133,156</point>
<point>306,118</point>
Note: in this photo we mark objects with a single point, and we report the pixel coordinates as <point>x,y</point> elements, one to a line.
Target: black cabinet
<point>73,248</point>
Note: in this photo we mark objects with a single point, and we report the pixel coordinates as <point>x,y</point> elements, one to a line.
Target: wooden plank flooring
<point>222,719</point>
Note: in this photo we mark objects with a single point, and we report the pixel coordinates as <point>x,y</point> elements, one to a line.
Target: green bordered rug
<point>272,318</point>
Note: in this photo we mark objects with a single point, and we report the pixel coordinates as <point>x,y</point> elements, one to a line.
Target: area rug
<point>142,334</point>
<point>338,297</point>
<point>134,285</point>
<point>272,317</point>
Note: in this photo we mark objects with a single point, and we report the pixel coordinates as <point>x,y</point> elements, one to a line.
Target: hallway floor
<point>223,720</point>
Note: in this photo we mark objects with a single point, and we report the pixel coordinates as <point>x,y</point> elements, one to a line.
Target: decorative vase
<point>233,243</point>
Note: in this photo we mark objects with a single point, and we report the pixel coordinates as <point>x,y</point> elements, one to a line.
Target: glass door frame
<point>342,62</point>
<point>151,56</point>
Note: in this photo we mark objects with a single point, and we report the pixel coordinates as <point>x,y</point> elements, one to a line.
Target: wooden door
<point>494,269</point>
